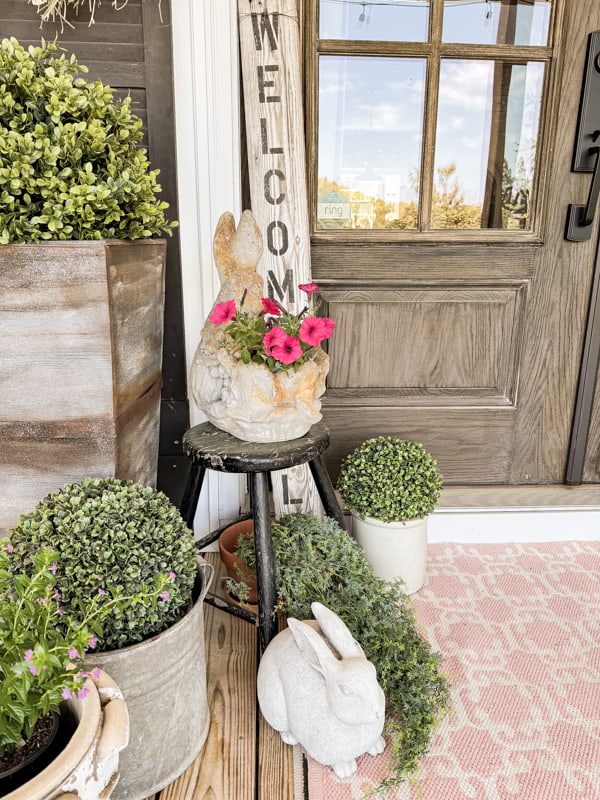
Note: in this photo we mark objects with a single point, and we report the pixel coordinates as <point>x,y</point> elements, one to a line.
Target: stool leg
<point>265,578</point>
<point>326,491</point>
<point>191,493</point>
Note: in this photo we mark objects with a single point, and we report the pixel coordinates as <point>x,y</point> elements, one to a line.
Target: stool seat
<point>217,450</point>
<point>208,447</point>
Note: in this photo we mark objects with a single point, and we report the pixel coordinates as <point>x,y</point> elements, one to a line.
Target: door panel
<point>468,341</point>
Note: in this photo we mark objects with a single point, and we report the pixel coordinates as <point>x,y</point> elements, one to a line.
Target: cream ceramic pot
<point>394,549</point>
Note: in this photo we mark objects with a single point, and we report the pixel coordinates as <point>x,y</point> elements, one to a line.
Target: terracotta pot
<point>87,767</point>
<point>163,680</point>
<point>394,549</point>
<point>236,568</point>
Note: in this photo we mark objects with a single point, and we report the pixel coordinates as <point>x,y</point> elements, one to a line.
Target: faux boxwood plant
<point>390,479</point>
<point>71,165</point>
<point>317,560</point>
<point>112,536</point>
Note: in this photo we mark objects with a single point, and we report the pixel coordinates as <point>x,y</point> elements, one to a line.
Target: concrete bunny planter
<point>87,767</point>
<point>258,371</point>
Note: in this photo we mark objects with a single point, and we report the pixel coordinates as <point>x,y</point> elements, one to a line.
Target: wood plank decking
<point>243,758</point>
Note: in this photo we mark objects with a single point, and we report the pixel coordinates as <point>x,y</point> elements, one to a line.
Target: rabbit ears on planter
<point>316,687</point>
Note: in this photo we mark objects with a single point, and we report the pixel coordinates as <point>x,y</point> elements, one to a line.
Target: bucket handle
<point>207,572</point>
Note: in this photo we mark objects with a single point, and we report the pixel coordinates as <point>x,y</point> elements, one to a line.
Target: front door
<point>440,135</point>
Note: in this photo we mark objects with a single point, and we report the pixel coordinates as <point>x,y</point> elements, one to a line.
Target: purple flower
<point>73,653</point>
<point>57,594</point>
<point>101,591</point>
<point>66,693</point>
<point>96,673</point>
<point>83,692</point>
<point>28,655</point>
<point>165,595</point>
<point>33,670</point>
<point>92,641</point>
<point>53,567</point>
<point>10,548</point>
<point>172,575</point>
<point>59,611</point>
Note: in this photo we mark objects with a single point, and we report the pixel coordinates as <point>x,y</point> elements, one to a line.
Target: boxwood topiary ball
<point>112,533</point>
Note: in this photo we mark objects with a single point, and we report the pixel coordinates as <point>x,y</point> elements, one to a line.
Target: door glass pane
<point>392,21</point>
<point>524,22</point>
<point>370,132</point>
<point>486,144</point>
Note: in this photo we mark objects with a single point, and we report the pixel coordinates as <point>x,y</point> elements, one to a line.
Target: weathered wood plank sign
<point>270,51</point>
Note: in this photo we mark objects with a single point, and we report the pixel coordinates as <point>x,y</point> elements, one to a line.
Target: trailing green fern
<point>317,560</point>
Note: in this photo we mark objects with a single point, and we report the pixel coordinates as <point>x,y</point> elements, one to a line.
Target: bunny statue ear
<point>336,632</point>
<point>236,250</point>
<point>312,647</point>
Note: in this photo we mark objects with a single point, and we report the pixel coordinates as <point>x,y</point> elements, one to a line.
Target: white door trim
<point>207,126</point>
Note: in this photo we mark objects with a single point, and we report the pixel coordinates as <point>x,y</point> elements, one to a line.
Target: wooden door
<point>440,136</point>
<point>130,50</point>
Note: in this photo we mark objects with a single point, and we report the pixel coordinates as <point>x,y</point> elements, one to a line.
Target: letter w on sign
<point>269,38</point>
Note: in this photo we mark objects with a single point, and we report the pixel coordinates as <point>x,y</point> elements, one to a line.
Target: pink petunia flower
<point>314,329</point>
<point>223,312</point>
<point>66,693</point>
<point>309,288</point>
<point>269,307</point>
<point>274,337</point>
<point>73,653</point>
<point>287,350</point>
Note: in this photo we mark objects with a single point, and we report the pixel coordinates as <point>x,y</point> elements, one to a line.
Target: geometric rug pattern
<point>519,628</point>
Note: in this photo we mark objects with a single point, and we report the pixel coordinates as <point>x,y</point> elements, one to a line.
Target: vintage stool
<point>211,448</point>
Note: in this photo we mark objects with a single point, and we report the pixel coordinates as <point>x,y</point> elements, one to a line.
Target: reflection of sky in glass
<point>385,20</point>
<point>370,123</point>
<point>476,22</point>
<point>464,119</point>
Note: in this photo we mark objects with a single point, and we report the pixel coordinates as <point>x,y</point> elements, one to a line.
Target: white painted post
<point>270,54</point>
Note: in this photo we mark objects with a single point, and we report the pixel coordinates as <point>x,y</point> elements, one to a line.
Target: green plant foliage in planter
<point>112,536</point>
<point>390,479</point>
<point>317,560</point>
<point>70,162</point>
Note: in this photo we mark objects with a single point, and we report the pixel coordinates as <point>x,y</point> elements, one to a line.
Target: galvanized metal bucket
<point>163,681</point>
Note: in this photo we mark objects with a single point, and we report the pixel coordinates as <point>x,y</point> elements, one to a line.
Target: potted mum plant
<point>390,486</point>
<point>56,729</point>
<point>315,560</point>
<point>114,535</point>
<point>82,280</point>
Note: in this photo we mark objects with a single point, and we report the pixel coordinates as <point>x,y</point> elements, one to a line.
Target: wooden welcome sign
<point>270,50</point>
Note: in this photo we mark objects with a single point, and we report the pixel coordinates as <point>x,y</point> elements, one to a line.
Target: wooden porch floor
<point>243,758</point>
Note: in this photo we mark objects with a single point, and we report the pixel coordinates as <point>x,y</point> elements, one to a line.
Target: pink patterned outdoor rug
<point>519,627</point>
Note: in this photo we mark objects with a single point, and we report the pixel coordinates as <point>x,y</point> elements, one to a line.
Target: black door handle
<point>579,217</point>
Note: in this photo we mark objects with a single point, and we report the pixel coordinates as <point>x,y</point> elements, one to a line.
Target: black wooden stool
<point>211,448</point>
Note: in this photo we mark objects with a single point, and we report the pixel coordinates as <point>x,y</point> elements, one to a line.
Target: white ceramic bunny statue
<point>316,687</point>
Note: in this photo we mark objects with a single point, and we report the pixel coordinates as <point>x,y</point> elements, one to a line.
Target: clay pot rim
<point>88,715</point>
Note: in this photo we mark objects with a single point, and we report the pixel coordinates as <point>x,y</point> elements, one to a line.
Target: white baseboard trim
<point>514,525</point>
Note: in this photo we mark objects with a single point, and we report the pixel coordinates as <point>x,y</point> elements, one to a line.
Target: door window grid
<point>505,156</point>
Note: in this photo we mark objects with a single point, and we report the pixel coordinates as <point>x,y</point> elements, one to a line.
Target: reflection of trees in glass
<point>449,209</point>
<point>516,191</point>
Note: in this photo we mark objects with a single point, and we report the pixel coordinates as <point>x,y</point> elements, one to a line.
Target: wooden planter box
<point>81,328</point>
